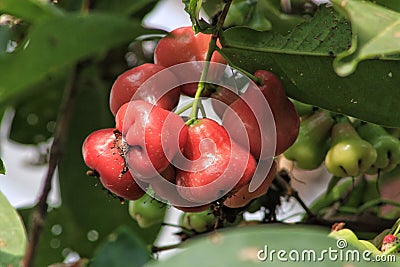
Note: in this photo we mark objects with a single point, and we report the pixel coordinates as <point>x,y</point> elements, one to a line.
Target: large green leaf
<point>87,214</point>
<point>124,7</point>
<point>303,60</point>
<point>394,5</point>
<point>29,10</point>
<point>376,33</point>
<point>59,42</point>
<point>123,249</point>
<point>12,234</point>
<point>242,247</point>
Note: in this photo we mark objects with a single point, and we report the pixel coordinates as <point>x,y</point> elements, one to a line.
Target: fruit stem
<point>184,108</point>
<point>211,48</point>
<point>203,111</point>
<point>398,227</point>
<point>245,72</point>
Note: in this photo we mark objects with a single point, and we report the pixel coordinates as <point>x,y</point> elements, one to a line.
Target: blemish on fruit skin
<point>3,243</point>
<point>216,239</point>
<point>248,254</point>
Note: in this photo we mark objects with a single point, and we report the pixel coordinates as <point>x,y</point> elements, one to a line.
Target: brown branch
<point>362,223</point>
<point>291,192</point>
<point>56,151</point>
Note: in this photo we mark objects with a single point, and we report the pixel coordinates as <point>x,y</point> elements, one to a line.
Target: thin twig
<point>155,249</point>
<point>56,151</point>
<point>291,192</point>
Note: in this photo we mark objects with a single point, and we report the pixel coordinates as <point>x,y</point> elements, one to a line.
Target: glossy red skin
<point>240,112</point>
<point>100,153</point>
<point>154,136</point>
<point>213,164</point>
<point>128,83</point>
<point>287,122</point>
<point>243,196</point>
<point>183,45</point>
<point>222,98</point>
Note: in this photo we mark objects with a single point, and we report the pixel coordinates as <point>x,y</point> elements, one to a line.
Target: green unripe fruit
<point>147,211</point>
<point>312,143</point>
<point>386,145</point>
<point>349,155</point>
<point>199,222</point>
<point>302,109</point>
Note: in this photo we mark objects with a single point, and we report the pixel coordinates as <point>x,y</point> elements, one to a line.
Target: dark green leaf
<point>2,167</point>
<point>12,234</point>
<point>29,10</point>
<point>35,114</point>
<point>60,42</point>
<point>241,247</point>
<point>394,5</point>
<point>376,32</point>
<point>124,7</point>
<point>302,61</point>
<point>5,35</point>
<point>122,248</point>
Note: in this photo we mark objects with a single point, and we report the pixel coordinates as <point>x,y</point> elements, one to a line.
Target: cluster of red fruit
<point>188,164</point>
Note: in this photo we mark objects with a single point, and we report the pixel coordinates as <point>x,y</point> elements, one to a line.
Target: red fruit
<point>221,98</point>
<point>102,152</point>
<point>389,239</point>
<point>216,163</point>
<point>183,45</point>
<point>251,111</point>
<point>161,90</point>
<point>287,122</point>
<point>243,196</point>
<point>154,136</point>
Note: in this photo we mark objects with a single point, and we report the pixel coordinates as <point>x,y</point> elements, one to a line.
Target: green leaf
<point>243,247</point>
<point>303,60</point>
<point>122,248</point>
<point>2,167</point>
<point>29,10</point>
<point>124,7</point>
<point>376,33</point>
<point>12,234</point>
<point>281,22</point>
<point>58,43</point>
<point>394,5</point>
<point>36,114</point>
<point>193,7</point>
<point>5,35</point>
